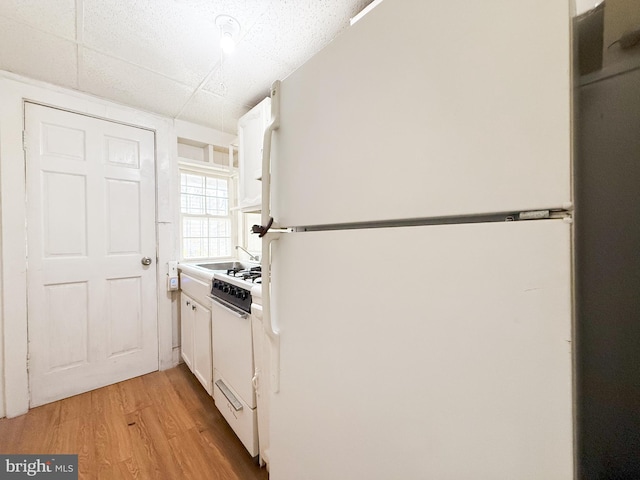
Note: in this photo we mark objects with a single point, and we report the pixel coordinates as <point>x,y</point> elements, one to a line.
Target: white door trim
<point>14,92</point>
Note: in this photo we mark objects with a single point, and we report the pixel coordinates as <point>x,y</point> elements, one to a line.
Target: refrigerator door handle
<point>267,220</point>
<point>274,124</point>
<point>267,319</point>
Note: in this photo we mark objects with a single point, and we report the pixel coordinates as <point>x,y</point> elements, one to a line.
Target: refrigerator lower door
<point>424,352</point>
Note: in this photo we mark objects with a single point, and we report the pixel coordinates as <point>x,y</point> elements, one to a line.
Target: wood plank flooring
<point>158,426</point>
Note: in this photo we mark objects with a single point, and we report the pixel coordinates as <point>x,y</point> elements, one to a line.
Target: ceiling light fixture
<point>229,32</point>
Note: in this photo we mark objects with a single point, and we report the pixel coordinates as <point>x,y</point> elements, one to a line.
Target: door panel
<point>63,142</point>
<point>122,152</point>
<point>91,218</point>
<point>124,308</point>
<point>65,205</point>
<point>123,213</point>
<point>67,312</point>
<point>424,352</point>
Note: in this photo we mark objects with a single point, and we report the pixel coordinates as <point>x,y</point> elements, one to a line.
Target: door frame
<point>15,91</point>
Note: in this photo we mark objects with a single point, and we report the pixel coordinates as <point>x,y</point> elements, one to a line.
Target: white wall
<point>14,394</point>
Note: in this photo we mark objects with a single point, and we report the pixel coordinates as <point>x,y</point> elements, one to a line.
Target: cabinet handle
<point>188,303</point>
<point>193,307</point>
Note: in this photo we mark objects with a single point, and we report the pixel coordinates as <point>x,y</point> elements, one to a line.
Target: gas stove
<point>234,287</point>
<point>252,275</point>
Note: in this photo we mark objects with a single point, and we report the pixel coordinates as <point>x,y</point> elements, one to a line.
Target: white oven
<point>233,390</point>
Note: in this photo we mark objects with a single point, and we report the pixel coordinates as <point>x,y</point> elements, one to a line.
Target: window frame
<point>230,177</point>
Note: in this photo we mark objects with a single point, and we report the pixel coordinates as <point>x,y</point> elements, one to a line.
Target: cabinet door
<point>250,135</point>
<point>202,358</point>
<point>186,329</point>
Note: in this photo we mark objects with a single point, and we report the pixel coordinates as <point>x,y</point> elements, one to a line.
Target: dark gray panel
<point>608,278</point>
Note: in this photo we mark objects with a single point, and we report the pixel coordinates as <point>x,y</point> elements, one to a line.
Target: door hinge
<point>24,140</point>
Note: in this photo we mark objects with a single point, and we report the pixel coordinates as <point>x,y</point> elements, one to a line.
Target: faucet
<point>255,258</point>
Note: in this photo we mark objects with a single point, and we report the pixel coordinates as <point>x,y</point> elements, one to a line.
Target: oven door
<point>232,348</point>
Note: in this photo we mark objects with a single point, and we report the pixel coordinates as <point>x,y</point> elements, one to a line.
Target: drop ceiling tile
<point>32,53</point>
<point>246,76</point>
<point>152,54</point>
<point>57,17</point>
<point>161,35</point>
<point>246,12</point>
<point>122,82</point>
<point>212,111</point>
<point>293,32</point>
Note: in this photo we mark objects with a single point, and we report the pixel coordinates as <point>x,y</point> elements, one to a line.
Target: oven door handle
<point>235,403</point>
<point>230,308</point>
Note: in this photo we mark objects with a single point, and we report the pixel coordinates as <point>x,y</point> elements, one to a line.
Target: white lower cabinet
<point>195,330</point>
<point>186,329</point>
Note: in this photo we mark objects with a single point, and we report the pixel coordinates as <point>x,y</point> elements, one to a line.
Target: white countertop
<point>206,275</point>
<point>193,270</point>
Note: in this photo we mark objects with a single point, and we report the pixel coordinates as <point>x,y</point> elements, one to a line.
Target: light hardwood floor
<point>159,426</point>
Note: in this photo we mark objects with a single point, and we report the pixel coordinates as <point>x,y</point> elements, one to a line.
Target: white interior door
<point>90,220</point>
<point>433,352</point>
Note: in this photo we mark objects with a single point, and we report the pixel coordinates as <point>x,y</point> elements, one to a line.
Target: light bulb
<point>229,32</point>
<point>227,43</point>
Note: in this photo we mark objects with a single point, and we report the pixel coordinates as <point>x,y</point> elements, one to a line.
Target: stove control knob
<point>244,296</point>
<point>215,284</point>
<point>226,289</point>
<point>239,293</point>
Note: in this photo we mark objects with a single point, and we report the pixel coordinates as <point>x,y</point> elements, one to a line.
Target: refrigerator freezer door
<point>428,109</point>
<point>449,359</point>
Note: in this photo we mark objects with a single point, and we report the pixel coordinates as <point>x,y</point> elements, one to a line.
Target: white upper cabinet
<point>251,129</point>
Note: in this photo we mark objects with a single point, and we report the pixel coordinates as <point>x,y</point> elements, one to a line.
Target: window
<point>205,215</point>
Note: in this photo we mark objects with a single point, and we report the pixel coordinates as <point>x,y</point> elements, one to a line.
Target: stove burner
<point>252,274</point>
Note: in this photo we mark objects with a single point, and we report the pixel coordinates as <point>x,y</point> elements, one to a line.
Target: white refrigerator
<point>418,284</point>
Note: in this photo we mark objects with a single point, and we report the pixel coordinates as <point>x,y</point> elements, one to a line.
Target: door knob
<point>145,261</point>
